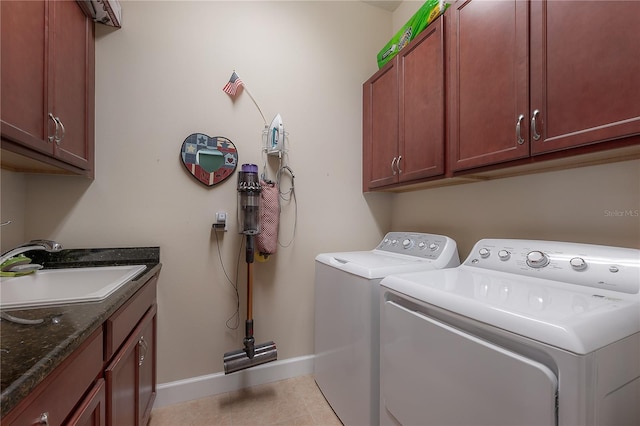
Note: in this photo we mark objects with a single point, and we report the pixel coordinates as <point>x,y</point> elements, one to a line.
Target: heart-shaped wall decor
<point>210,160</point>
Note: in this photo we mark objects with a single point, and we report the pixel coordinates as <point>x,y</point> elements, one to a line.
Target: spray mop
<point>249,211</point>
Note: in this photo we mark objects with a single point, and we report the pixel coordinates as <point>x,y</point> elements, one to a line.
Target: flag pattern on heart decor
<point>210,160</point>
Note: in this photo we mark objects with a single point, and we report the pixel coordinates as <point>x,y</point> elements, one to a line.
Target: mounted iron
<point>274,143</point>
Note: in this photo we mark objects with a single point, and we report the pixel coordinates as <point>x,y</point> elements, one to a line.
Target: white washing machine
<point>347,314</point>
<point>522,333</point>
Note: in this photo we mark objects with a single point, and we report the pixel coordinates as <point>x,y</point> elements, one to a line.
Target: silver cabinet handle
<point>398,164</point>
<point>534,130</point>
<point>143,350</point>
<point>55,132</point>
<point>518,131</point>
<point>58,140</point>
<point>44,419</point>
<point>393,165</point>
<point>59,130</point>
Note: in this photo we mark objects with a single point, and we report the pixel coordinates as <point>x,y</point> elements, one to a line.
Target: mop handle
<point>249,291</point>
<point>250,249</point>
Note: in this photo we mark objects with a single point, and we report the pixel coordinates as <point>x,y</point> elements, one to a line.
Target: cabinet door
<point>380,127</point>
<point>585,72</point>
<point>131,376</point>
<point>71,91</point>
<point>146,349</point>
<point>488,84</point>
<point>24,74</point>
<point>92,411</point>
<point>421,126</point>
<point>122,387</point>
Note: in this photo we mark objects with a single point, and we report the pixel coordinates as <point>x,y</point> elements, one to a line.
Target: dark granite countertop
<point>28,353</point>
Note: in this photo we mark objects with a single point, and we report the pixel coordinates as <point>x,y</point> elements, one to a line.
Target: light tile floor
<point>296,401</point>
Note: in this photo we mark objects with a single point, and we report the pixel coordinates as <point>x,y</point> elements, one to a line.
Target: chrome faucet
<point>47,245</point>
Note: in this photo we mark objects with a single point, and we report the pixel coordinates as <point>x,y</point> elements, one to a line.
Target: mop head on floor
<point>239,360</point>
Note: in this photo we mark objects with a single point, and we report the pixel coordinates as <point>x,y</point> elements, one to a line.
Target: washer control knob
<point>422,245</point>
<point>504,255</point>
<point>394,242</point>
<point>484,252</point>
<point>578,263</point>
<point>407,243</point>
<point>537,259</point>
<point>433,247</point>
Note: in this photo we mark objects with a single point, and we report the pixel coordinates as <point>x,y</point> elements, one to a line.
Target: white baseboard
<point>213,384</point>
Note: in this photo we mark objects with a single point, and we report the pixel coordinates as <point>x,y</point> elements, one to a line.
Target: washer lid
<point>375,264</point>
<point>572,317</point>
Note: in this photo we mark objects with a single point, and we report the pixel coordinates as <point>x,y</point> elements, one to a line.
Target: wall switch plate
<point>221,222</point>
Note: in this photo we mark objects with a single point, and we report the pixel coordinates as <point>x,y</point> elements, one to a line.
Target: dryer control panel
<point>427,246</point>
<point>610,268</point>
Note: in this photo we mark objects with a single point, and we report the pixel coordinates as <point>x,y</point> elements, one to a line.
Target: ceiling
<point>386,5</point>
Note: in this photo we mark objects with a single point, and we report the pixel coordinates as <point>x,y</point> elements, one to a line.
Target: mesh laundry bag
<point>267,239</point>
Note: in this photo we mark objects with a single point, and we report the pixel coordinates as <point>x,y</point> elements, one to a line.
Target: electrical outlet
<point>221,222</point>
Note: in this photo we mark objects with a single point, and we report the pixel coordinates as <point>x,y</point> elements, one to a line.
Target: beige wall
<point>159,79</point>
<point>585,205</point>
<point>12,206</point>
<point>404,11</point>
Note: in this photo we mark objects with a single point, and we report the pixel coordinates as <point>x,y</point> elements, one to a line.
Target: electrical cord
<point>236,315</point>
<point>287,197</point>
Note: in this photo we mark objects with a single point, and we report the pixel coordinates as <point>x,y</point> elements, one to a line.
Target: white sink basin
<point>60,286</point>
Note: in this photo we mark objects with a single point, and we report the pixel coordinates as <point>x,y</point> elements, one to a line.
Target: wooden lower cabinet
<point>55,399</point>
<point>131,376</point>
<point>109,380</point>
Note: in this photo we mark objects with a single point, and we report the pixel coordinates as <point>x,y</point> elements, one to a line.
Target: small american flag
<point>232,86</point>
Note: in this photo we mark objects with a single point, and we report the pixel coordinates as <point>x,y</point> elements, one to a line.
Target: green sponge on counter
<point>12,267</point>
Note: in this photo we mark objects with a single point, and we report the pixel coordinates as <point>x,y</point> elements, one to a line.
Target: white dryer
<point>347,314</point>
<point>522,333</point>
